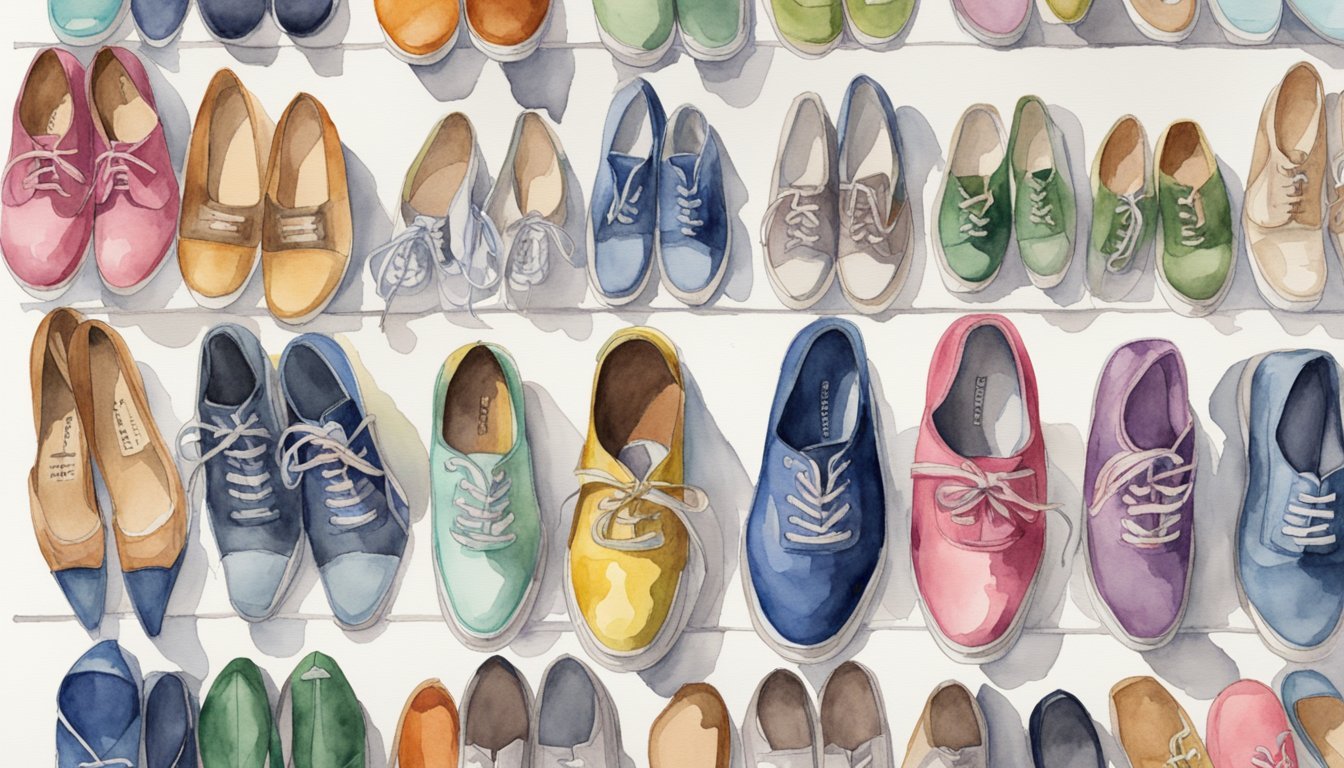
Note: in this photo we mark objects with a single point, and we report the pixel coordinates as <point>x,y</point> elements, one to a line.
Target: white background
<point>383,110</point>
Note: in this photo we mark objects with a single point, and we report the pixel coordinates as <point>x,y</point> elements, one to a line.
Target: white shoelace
<point>688,203</point>
<point>96,762</point>
<point>220,221</point>
<point>1294,188</point>
<point>1180,756</point>
<point>1300,520</point>
<point>48,165</point>
<point>1147,492</point>
<point>1190,210</point>
<point>622,507</point>
<point>114,167</point>
<point>968,486</point>
<point>862,208</point>
<point>976,221</point>
<point>483,518</point>
<point>300,228</point>
<point>248,477</point>
<point>342,492</point>
<point>800,220</point>
<point>534,238</point>
<point>818,502</point>
<point>1131,228</point>
<point>1278,757</point>
<point>1042,211</point>
<point>623,208</point>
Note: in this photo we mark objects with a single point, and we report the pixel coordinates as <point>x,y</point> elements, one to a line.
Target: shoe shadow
<point>543,79</point>
<point>1007,738</point>
<point>453,77</point>
<point>1070,289</point>
<point>921,155</point>
<point>739,80</point>
<point>737,283</point>
<point>323,50</point>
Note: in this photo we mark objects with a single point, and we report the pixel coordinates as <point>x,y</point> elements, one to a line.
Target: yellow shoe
<point>634,563</point>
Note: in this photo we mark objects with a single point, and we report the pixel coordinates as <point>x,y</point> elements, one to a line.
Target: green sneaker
<point>637,32</point>
<point>1063,11</point>
<point>488,544</point>
<point>713,30</point>
<point>1196,250</point>
<point>809,28</point>
<point>975,214</point>
<point>1124,211</point>
<point>236,727</point>
<point>321,717</point>
<point>876,23</point>
<point>1045,213</point>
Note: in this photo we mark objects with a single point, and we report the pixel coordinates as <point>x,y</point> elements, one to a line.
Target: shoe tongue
<point>686,165</point>
<point>974,185</point>
<point>1295,156</point>
<point>343,414</point>
<point>822,455</point>
<point>1043,175</point>
<point>641,457</point>
<point>879,184</point>
<point>627,169</point>
<point>47,140</point>
<point>486,461</point>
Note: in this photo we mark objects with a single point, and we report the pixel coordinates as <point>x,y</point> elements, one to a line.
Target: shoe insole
<point>1122,164</point>
<point>59,478</point>
<point>497,714</point>
<point>867,142</point>
<point>537,173</point>
<point>804,163</point>
<point>443,168</point>
<point>234,176</point>
<point>823,405</point>
<point>636,399</point>
<point>1183,157</point>
<point>477,410</point>
<point>303,160</point>
<point>633,136</point>
<point>436,191</point>
<point>1032,151</point>
<point>781,712</point>
<point>984,413</point>
<point>1297,113</point>
<point>1147,416</point>
<point>1305,434</point>
<point>952,721</point>
<point>850,715</point>
<point>979,149</point>
<point>229,380</point>
<point>46,108</point>
<point>125,114</point>
<point>568,713</point>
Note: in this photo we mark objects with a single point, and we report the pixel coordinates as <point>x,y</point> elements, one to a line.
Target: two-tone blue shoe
<point>1315,708</point>
<point>1290,560</point>
<point>694,230</point>
<point>98,710</point>
<point>356,515</point>
<point>815,539</point>
<point>170,719</point>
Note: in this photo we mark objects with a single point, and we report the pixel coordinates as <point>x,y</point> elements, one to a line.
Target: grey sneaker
<point>781,727</point>
<point>799,230</point>
<point>575,719</point>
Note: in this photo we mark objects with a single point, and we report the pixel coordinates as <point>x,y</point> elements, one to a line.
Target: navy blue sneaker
<point>170,723</point>
<point>233,21</point>
<point>356,515</point>
<point>159,21</point>
<point>1290,562</point>
<point>256,520</point>
<point>1062,734</point>
<point>304,18</point>
<point>623,214</point>
<point>98,710</point>
<point>816,535</point>
<point>693,226</point>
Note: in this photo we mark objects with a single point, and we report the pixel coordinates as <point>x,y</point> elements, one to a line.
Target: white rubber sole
<point>1153,33</point>
<point>424,60</point>
<point>635,57</point>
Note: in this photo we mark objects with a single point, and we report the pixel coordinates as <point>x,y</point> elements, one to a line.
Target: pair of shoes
<point>101,718</point>
<point>635,562</point>
<point>1002,23</point>
<point>815,543</point>
<point>489,542</point>
<point>467,237</point>
<point>640,34</point>
<point>1315,709</point>
<point>90,409</point>
<point>88,169</point>
<point>252,186</point>
<point>658,195</point>
<point>238,728</point>
<point>693,729</point>
<point>847,729</point>
<point>813,29</point>
<point>424,31</point>
<point>995,186</point>
<point>292,452</point>
<point>572,722</point>
<point>839,210</point>
<point>235,21</point>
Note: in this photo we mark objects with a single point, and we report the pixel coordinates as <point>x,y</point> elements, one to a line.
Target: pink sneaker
<point>978,517</point>
<point>993,22</point>
<point>1247,726</point>
<point>135,192</point>
<point>47,218</point>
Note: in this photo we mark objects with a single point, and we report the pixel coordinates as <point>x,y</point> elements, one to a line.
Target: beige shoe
<point>307,232</point>
<point>1283,214</point>
<point>951,732</point>
<point>1166,21</point>
<point>692,731</point>
<point>219,232</point>
<point>1152,728</point>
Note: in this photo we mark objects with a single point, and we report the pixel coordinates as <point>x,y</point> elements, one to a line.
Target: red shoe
<point>978,519</point>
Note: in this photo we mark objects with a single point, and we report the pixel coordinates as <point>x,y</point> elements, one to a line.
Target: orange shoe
<point>419,31</point>
<point>427,733</point>
<point>507,30</point>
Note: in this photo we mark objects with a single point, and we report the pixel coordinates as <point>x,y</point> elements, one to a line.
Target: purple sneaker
<point>1139,494</point>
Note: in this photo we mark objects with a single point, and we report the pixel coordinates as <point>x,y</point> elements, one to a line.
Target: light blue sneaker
<point>1314,708</point>
<point>256,520</point>
<point>1248,21</point>
<point>694,233</point>
<point>1325,17</point>
<point>98,710</point>
<point>356,515</point>
<point>623,209</point>
<point>1290,562</point>
<point>86,22</point>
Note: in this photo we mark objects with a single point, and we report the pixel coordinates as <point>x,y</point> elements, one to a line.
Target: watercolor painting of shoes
<point>321,720</point>
<point>1316,710</point>
<point>420,32</point>
<point>1152,728</point>
<point>1196,244</point>
<point>428,729</point>
<point>1248,22</point>
<point>951,732</point>
<point>693,729</point>
<point>807,28</point>
<point>800,228</point>
<point>781,725</point>
<point>237,726</point>
<point>233,21</point>
<point>638,34</point>
<point>854,729</point>
<point>98,720</point>
<point>575,718</point>
<point>1063,11</point>
<point>301,19</point>
<point>974,218</point>
<point>159,21</point>
<point>1323,18</point>
<point>714,30</point>
<point>1062,734</point>
<point>170,715</point>
<point>1124,211</point>
<point>497,728</point>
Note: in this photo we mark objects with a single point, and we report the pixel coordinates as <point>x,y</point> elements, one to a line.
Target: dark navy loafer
<point>98,710</point>
<point>233,20</point>
<point>170,723</point>
<point>304,18</point>
<point>159,21</point>
<point>1062,734</point>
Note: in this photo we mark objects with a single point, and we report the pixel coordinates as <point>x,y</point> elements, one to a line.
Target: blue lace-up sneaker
<point>816,535</point>
<point>1290,565</point>
<point>693,226</point>
<point>98,710</point>
<point>159,21</point>
<point>623,218</point>
<point>356,515</point>
<point>257,521</point>
<point>170,723</point>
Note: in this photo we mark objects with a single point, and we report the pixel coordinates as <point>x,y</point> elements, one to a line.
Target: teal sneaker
<point>1045,212</point>
<point>975,216</point>
<point>86,22</point>
<point>1196,247</point>
<point>488,543</point>
<point>636,32</point>
<point>321,718</point>
<point>809,28</point>
<point>236,728</point>
<point>1124,211</point>
<point>877,23</point>
<point>713,30</point>
<point>1248,22</point>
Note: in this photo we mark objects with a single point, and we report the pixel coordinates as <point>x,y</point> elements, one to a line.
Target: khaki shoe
<point>1152,728</point>
<point>1283,215</point>
<point>220,227</point>
<point>951,731</point>
<point>1166,21</point>
<point>307,232</point>
<point>692,731</point>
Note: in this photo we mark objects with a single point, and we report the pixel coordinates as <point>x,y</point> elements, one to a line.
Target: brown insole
<point>303,160</point>
<point>1323,718</point>
<point>1122,168</point>
<point>477,410</point>
<point>1183,157</point>
<point>125,114</point>
<point>952,721</point>
<point>234,178</point>
<point>498,711</point>
<point>1296,117</point>
<point>850,715</point>
<point>61,466</point>
<point>537,168</point>
<point>46,108</point>
<point>782,712</point>
<point>637,398</point>
<point>443,168</point>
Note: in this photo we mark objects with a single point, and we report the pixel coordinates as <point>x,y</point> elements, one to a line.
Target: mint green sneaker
<point>713,30</point>
<point>321,718</point>
<point>488,544</point>
<point>1045,213</point>
<point>876,23</point>
<point>236,728</point>
<point>637,32</point>
<point>809,28</point>
<point>975,216</point>
<point>86,22</point>
<point>1196,248</point>
<point>1124,211</point>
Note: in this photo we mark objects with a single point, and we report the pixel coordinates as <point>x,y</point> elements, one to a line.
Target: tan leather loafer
<point>220,228</point>
<point>306,230</point>
<point>693,731</point>
<point>419,31</point>
<point>1152,728</point>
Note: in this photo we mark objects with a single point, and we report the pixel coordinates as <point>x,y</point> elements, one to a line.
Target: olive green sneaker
<point>809,28</point>
<point>488,545</point>
<point>1045,213</point>
<point>236,727</point>
<point>1196,247</point>
<point>320,717</point>
<point>636,32</point>
<point>1124,211</point>
<point>975,216</point>
<point>1063,11</point>
<point>713,30</point>
<point>877,23</point>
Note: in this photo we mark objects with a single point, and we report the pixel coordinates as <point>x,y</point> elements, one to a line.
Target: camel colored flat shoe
<point>306,232</point>
<point>419,31</point>
<point>694,730</point>
<point>427,732</point>
<point>1153,730</point>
